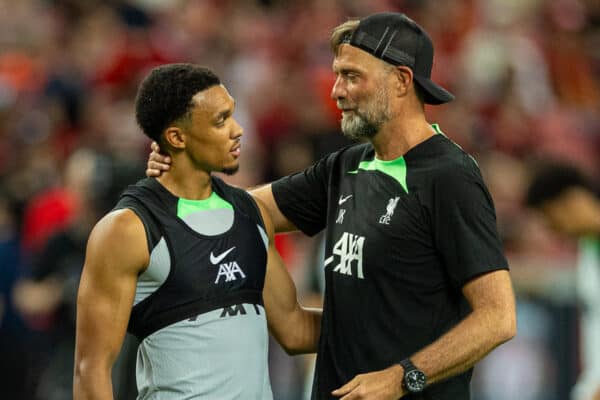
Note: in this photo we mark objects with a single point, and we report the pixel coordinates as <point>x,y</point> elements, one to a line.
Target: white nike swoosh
<point>343,199</point>
<point>215,260</point>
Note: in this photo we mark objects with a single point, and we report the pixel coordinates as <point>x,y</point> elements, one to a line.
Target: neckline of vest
<point>172,200</point>
<point>215,187</point>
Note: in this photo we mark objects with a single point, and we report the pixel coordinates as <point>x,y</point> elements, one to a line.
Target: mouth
<point>348,113</point>
<point>236,150</point>
<point>344,107</point>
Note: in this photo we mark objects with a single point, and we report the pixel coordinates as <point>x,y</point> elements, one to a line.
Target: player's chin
<point>231,169</point>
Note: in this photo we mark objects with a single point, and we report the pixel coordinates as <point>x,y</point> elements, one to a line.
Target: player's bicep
<point>279,292</point>
<point>265,195</point>
<point>115,255</point>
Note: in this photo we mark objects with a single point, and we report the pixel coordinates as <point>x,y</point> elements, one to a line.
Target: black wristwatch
<point>414,379</point>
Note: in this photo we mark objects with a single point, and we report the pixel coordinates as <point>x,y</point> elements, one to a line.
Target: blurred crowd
<point>526,75</point>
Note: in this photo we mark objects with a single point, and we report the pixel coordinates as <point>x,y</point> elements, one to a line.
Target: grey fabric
<point>217,355</point>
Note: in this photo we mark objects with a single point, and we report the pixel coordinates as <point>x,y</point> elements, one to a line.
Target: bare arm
<point>491,323</point>
<point>116,253</point>
<point>297,329</point>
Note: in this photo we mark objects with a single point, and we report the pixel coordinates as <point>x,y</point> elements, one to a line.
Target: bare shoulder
<point>262,192</point>
<point>118,225</point>
<point>119,237</point>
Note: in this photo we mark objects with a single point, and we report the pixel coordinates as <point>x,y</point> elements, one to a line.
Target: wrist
<point>398,372</point>
<point>413,379</point>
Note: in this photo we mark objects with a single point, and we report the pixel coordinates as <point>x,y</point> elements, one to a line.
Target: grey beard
<point>358,127</point>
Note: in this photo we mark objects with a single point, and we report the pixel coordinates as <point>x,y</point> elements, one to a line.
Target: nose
<point>338,91</point>
<point>237,130</point>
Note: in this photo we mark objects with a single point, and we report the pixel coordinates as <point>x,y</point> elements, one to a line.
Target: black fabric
<point>395,38</point>
<point>393,285</point>
<point>191,288</point>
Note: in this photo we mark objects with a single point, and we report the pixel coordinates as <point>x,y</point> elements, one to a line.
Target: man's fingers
<point>347,388</point>
<point>155,147</point>
<point>161,158</point>
<point>355,393</point>
<point>158,166</point>
<point>152,172</point>
<point>351,395</point>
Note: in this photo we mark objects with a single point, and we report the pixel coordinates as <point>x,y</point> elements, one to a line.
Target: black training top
<point>402,238</point>
<point>191,288</point>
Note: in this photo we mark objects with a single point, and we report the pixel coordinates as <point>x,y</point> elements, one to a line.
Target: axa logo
<point>391,206</point>
<point>349,252</point>
<point>230,271</point>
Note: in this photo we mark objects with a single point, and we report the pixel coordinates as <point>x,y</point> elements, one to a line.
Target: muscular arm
<point>297,329</point>
<point>116,253</point>
<point>491,323</point>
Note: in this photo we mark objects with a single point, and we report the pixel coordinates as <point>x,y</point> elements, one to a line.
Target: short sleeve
<point>464,224</point>
<point>302,197</point>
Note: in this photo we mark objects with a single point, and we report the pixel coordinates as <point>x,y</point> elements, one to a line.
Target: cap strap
<point>399,57</point>
<point>389,53</point>
<point>376,51</point>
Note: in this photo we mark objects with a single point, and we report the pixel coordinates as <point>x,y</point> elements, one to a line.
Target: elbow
<point>79,377</point>
<point>89,379</point>
<point>293,351</point>
<point>291,346</point>
<point>507,327</point>
<point>81,373</point>
<point>294,344</point>
<point>300,333</point>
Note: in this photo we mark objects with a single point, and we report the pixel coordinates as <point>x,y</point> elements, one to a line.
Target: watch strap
<point>409,371</point>
<point>407,365</point>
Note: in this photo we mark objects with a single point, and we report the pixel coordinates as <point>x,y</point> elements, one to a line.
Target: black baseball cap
<point>397,39</point>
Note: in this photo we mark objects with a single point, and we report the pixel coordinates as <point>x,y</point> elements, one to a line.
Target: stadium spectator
<point>570,203</point>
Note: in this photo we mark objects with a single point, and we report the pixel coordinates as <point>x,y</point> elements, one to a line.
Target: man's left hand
<point>380,385</point>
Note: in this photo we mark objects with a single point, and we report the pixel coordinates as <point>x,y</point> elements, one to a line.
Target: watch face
<point>415,381</point>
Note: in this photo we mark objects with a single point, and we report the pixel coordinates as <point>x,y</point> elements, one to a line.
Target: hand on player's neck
<point>186,181</point>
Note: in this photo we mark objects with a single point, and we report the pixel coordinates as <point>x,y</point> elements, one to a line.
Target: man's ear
<point>403,80</point>
<point>174,137</point>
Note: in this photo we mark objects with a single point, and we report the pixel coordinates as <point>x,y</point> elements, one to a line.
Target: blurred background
<point>526,75</point>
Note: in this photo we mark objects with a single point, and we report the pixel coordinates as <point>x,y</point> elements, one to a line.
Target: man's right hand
<point>157,163</point>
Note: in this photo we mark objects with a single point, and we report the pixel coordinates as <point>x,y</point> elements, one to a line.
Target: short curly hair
<point>165,95</point>
<point>553,179</point>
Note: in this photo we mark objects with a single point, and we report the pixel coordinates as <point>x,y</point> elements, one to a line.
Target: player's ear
<point>403,79</point>
<point>175,137</point>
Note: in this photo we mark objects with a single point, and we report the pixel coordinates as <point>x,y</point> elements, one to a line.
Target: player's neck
<point>187,183</point>
<point>400,134</point>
